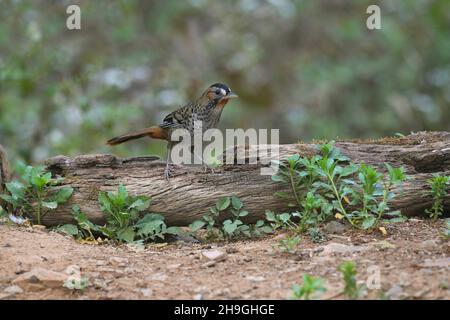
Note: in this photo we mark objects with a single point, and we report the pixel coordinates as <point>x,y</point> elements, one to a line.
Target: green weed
<point>351,289</point>
<point>123,221</point>
<point>311,288</point>
<point>329,183</point>
<point>35,193</point>
<point>233,227</point>
<point>438,192</point>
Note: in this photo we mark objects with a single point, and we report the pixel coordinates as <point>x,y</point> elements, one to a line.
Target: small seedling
<point>316,235</point>
<point>444,285</point>
<point>75,283</point>
<point>282,220</point>
<point>3,213</point>
<point>36,193</point>
<point>439,185</point>
<point>232,227</point>
<point>69,229</point>
<point>152,226</point>
<point>352,290</point>
<point>121,211</point>
<point>84,229</point>
<point>4,217</point>
<point>289,244</point>
<point>311,288</point>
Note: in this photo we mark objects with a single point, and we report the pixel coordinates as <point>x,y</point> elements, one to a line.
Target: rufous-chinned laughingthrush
<point>207,109</point>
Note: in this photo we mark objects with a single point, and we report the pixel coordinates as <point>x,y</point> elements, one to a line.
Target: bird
<point>207,108</point>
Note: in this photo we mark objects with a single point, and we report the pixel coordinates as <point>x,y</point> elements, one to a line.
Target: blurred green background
<point>310,68</point>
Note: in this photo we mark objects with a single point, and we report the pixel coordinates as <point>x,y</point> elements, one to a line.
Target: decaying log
<point>191,191</point>
<point>4,169</point>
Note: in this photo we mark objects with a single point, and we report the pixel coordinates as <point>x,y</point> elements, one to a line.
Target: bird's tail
<point>153,132</point>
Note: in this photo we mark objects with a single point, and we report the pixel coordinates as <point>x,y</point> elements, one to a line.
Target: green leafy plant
<point>351,289</point>
<point>329,183</point>
<point>36,193</point>
<point>121,211</point>
<point>123,222</point>
<point>310,289</point>
<point>232,227</point>
<point>289,221</point>
<point>4,216</point>
<point>316,235</point>
<point>438,185</point>
<point>282,220</point>
<point>84,229</point>
<point>87,228</point>
<point>69,229</point>
<point>289,244</point>
<point>152,226</point>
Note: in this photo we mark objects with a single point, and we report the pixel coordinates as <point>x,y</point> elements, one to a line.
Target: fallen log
<point>191,191</point>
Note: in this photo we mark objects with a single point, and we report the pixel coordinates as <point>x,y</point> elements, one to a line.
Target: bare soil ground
<point>413,260</point>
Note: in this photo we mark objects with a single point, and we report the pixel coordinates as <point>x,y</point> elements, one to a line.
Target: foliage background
<point>310,68</point>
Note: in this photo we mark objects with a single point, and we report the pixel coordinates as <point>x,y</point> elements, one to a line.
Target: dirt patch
<point>413,261</point>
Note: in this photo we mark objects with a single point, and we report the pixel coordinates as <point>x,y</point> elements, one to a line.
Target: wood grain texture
<point>4,169</point>
<point>191,191</point>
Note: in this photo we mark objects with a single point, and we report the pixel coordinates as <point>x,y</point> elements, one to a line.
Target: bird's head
<point>220,93</point>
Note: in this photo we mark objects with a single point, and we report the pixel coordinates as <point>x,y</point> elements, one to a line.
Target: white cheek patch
<point>223,92</point>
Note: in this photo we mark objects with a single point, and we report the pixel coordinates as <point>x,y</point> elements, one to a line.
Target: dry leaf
<point>339,216</point>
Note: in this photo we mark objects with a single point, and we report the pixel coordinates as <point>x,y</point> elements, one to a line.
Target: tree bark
<point>4,169</point>
<point>191,191</point>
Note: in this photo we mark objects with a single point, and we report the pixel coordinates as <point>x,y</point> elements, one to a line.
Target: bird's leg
<point>167,169</point>
<point>207,166</point>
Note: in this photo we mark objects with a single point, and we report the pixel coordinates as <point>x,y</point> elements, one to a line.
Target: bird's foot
<point>211,169</point>
<point>167,172</point>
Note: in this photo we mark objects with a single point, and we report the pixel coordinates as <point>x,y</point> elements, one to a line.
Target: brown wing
<point>178,118</point>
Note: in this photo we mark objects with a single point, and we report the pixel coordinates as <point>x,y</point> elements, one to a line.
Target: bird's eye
<point>217,91</point>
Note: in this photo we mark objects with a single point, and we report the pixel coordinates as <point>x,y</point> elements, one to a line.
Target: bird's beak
<point>231,95</point>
